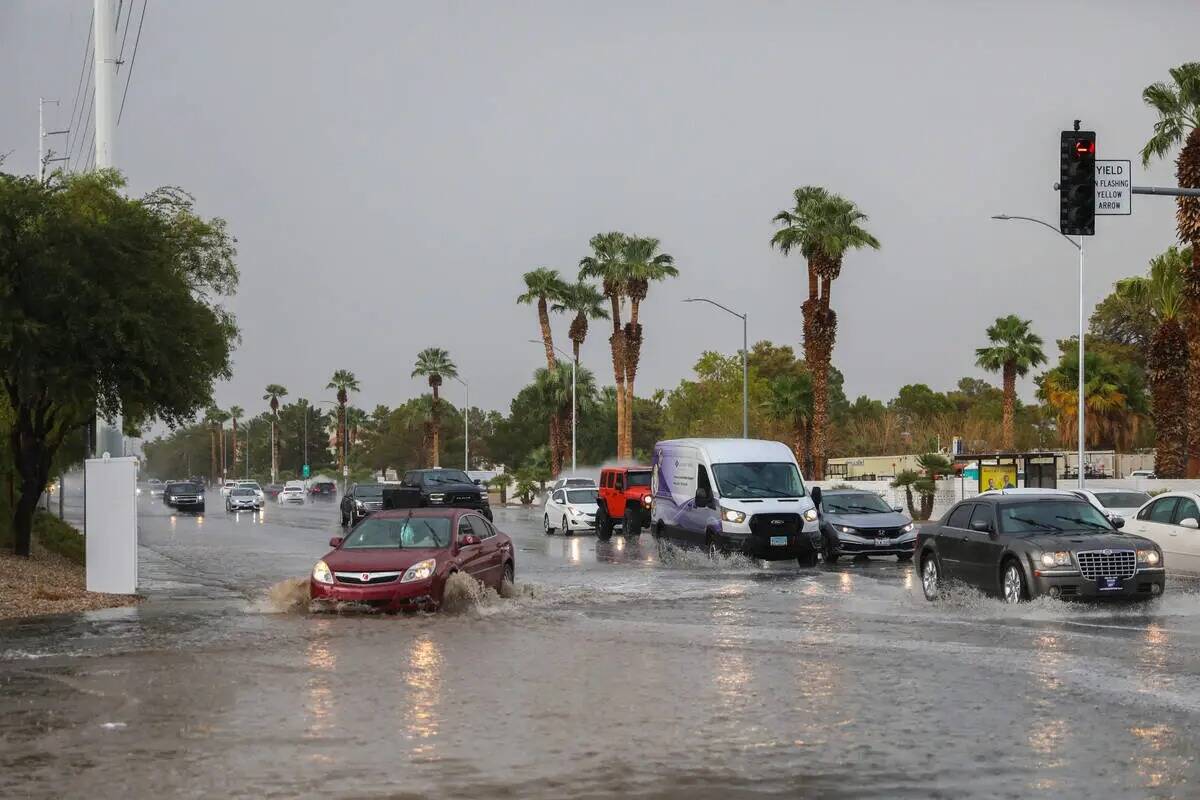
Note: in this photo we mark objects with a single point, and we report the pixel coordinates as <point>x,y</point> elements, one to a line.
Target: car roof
<point>835,492</point>
<point>630,468</point>
<point>1008,498</point>
<point>727,450</point>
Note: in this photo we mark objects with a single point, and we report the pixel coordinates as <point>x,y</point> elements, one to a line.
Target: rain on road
<point>618,669</point>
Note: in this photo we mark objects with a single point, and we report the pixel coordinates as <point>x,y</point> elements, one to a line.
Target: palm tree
<point>823,226</point>
<point>587,303</point>
<point>212,416</point>
<point>344,381</point>
<point>643,265</point>
<point>1113,398</point>
<point>554,394</point>
<point>274,392</point>
<point>1167,361</point>
<point>235,413</point>
<point>1178,107</point>
<point>1015,350</point>
<point>607,263</point>
<point>790,401</point>
<point>434,364</point>
<point>543,286</point>
<point>356,420</point>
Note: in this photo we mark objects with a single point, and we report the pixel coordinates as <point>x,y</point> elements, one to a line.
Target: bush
<point>53,534</point>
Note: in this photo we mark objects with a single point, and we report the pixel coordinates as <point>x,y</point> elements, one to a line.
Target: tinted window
<point>1122,499</point>
<point>444,477</point>
<point>1052,517</point>
<point>559,497</point>
<point>411,532</point>
<point>961,516</point>
<point>618,482</point>
<point>865,503</point>
<point>1186,510</point>
<point>981,514</point>
<point>369,490</point>
<point>1163,509</point>
<point>243,492</point>
<point>480,527</point>
<point>748,480</point>
<point>582,496</point>
<point>639,478</point>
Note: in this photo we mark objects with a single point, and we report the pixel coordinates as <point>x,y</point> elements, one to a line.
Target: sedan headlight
<point>1062,558</point>
<point>321,573</point>
<point>908,528</point>
<point>573,511</point>
<point>422,570</point>
<point>1150,558</point>
<point>810,515</point>
<point>732,515</point>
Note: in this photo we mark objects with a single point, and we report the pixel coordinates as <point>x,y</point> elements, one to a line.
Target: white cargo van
<point>739,495</point>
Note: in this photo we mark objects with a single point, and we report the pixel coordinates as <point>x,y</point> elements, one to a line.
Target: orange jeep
<point>623,499</point>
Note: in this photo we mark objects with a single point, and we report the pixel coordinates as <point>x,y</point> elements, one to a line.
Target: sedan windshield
<point>1054,516</point>
<point>371,490</point>
<point>445,477</point>
<point>243,492</point>
<point>758,479</point>
<point>413,533</point>
<point>865,503</point>
<point>581,496</point>
<point>1123,499</point>
<point>249,484</point>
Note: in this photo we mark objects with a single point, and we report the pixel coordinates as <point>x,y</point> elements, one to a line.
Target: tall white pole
<point>108,435</point>
<point>745,381</point>
<point>467,428</point>
<point>41,169</point>
<point>574,416</point>
<point>1082,410</point>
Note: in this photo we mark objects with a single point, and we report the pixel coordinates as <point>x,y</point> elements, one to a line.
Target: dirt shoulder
<point>47,583</point>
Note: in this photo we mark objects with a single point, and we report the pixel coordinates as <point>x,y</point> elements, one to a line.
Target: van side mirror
<point>336,541</point>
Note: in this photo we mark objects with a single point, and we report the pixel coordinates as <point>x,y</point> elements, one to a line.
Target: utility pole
<point>46,156</point>
<point>109,436</point>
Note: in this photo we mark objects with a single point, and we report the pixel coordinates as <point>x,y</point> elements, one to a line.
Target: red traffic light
<point>1085,147</point>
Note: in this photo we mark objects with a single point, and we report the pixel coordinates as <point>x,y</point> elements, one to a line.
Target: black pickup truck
<point>442,487</point>
<point>184,496</point>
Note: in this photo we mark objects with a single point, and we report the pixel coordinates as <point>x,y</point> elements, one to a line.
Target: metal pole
<point>745,381</point>
<point>306,433</point>
<point>467,428</point>
<point>574,416</point>
<point>1082,410</point>
<point>41,169</point>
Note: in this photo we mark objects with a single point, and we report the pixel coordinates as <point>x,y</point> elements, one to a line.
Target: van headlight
<point>1150,558</point>
<point>810,515</point>
<point>732,515</point>
<point>321,573</point>
<point>422,570</point>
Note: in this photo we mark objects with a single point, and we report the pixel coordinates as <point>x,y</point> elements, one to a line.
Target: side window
<point>605,480</point>
<point>464,526</point>
<point>1163,510</point>
<point>560,496</point>
<point>619,482</point>
<point>961,516</point>
<point>702,481</point>
<point>1186,509</point>
<point>982,513</point>
<point>480,527</point>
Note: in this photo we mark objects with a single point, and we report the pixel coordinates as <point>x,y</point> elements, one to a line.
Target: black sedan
<point>855,523</point>
<point>360,500</point>
<point>1022,546</point>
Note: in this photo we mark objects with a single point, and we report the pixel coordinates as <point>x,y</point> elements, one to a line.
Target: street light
<point>745,367</point>
<point>466,424</point>
<point>574,405</point>
<point>1078,246</point>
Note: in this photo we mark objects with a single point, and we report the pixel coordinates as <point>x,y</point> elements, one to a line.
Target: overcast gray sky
<point>391,169</point>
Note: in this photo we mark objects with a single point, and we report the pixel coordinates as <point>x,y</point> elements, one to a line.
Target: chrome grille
<point>372,577</point>
<point>1107,563</point>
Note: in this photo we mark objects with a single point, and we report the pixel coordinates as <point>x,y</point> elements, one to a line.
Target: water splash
<point>285,597</point>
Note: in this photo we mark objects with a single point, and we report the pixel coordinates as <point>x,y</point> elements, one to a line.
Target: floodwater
<point>614,669</point>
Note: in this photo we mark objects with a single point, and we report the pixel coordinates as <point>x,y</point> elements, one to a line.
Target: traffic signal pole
<point>1080,418</point>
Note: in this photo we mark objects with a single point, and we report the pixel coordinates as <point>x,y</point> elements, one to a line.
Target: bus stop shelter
<point>1010,470</point>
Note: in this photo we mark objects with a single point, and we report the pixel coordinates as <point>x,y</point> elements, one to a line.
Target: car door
<point>981,548</point>
<point>951,537</point>
<point>1154,522</point>
<point>491,557</point>
<point>1184,552</point>
<point>556,507</point>
<point>471,558</point>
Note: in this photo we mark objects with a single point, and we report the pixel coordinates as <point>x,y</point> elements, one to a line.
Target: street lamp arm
<point>714,303</point>
<point>1039,222</point>
<point>557,349</point>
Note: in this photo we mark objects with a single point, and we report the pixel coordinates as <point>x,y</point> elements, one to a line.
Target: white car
<point>258,492</point>
<point>1172,521</point>
<point>1122,502</point>
<point>1143,473</point>
<point>293,492</point>
<point>228,488</point>
<point>570,509</point>
<point>242,498</point>
<point>572,483</point>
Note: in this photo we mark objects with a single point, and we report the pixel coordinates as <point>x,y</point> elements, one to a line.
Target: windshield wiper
<point>1081,521</point>
<point>867,510</point>
<point>1045,526</point>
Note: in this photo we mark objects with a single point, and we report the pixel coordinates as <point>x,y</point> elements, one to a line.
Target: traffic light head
<point>1077,183</point>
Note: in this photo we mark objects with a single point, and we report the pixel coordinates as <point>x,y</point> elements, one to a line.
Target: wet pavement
<point>619,669</point>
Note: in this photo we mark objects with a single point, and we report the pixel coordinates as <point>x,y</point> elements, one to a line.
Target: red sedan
<point>400,560</point>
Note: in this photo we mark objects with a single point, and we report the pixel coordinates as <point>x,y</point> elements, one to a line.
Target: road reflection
<point>424,682</point>
<point>319,706</point>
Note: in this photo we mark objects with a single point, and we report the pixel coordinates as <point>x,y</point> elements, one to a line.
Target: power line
<point>132,61</point>
<point>90,105</point>
<point>124,36</point>
<point>87,48</point>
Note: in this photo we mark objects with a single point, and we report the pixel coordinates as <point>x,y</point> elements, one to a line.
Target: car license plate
<point>1109,584</point>
<point>882,542</point>
<point>779,541</point>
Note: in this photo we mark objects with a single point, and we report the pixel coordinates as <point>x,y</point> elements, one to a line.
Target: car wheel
<point>1013,583</point>
<point>809,559</point>
<point>710,546</point>
<point>604,525</point>
<point>931,577</point>
<point>510,576</point>
<point>633,523</point>
<point>566,529</point>
<point>546,524</point>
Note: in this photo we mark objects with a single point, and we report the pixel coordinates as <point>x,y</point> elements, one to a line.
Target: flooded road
<point>617,670</point>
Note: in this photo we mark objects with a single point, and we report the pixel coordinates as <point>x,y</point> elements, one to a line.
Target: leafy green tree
<point>344,382</point>
<point>235,415</point>
<point>824,227</point>
<point>644,265</point>
<point>1177,104</point>
<point>1014,350</point>
<point>916,401</point>
<point>434,364</point>
<point>587,303</point>
<point>1114,393</point>
<point>274,393</point>
<point>554,392</point>
<point>790,401</point>
<point>108,305</point>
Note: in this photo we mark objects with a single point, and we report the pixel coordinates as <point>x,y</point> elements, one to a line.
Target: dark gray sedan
<point>858,523</point>
<point>1022,546</point>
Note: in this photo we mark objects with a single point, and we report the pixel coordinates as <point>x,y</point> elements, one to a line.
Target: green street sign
<point>305,475</point>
